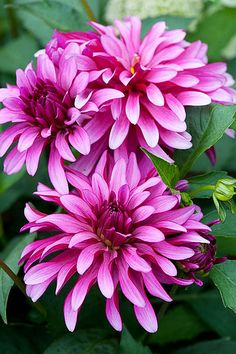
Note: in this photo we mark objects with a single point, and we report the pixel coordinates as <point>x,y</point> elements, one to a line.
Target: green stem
<point>11,18</point>
<point>88,10</point>
<point>208,187</point>
<point>20,286</point>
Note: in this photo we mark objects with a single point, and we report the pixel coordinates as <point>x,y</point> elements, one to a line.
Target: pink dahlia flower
<point>121,229</point>
<point>41,108</point>
<point>157,76</point>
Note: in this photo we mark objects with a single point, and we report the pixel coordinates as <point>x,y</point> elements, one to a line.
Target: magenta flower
<point>157,77</point>
<point>122,230</point>
<point>41,108</point>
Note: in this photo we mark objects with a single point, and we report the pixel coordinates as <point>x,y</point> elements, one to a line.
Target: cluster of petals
<point>41,108</point>
<point>100,89</point>
<point>121,229</point>
<point>156,77</point>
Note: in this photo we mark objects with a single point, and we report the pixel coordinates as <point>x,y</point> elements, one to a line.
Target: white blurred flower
<point>152,8</point>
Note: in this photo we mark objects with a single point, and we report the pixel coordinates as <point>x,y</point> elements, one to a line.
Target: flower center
<point>113,225</point>
<point>136,60</point>
<point>46,105</point>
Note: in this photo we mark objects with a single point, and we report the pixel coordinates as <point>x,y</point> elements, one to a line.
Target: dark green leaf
<point>210,28</point>
<point>25,47</point>
<point>64,16</point>
<point>168,172</point>
<point>129,346</point>
<point>224,277</point>
<point>180,323</point>
<point>222,346</point>
<point>225,233</point>
<point>7,181</point>
<point>212,312</point>
<point>11,258</point>
<point>199,181</point>
<point>84,342</point>
<point>206,125</point>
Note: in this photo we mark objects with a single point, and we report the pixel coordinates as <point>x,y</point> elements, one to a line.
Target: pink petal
<point>193,98</point>
<point>14,161</point>
<point>174,252</point>
<point>41,272</point>
<point>133,172</point>
<point>118,132</point>
<point>45,68</point>
<point>69,314</point>
<point>154,95</point>
<point>176,106</point>
<point>142,213</point>
<point>33,156</point>
<point>100,187</point>
<point>103,95</point>
<point>148,234</point>
<point>63,147</point>
<point>112,312</point>
<point>105,281</point>
<point>118,176</point>
<point>160,75</point>
<point>149,129</point>
<point>135,261</point>
<point>79,139</point>
<point>63,222</point>
<point>80,237</point>
<point>146,317</point>
<point>56,171</point>
<point>128,288</point>
<point>79,84</point>
<point>86,257</point>
<point>154,287</point>
<point>132,108</point>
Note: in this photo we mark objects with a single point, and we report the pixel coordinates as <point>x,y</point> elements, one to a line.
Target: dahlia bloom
<point>157,76</point>
<point>121,229</point>
<point>41,108</point>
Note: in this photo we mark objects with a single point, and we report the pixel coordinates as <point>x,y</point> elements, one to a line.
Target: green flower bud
<point>224,189</point>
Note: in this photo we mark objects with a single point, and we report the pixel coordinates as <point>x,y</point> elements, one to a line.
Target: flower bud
<point>224,189</point>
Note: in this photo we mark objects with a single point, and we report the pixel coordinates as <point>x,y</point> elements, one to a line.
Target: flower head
<point>156,76</point>
<point>41,108</point>
<point>121,229</point>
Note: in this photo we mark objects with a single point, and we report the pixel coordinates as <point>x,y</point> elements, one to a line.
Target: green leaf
<point>129,346</point>
<point>64,16</point>
<point>221,320</point>
<point>206,125</point>
<point>199,181</point>
<point>180,323</point>
<point>25,47</point>
<point>210,27</point>
<point>168,172</point>
<point>11,257</point>
<point>224,278</point>
<point>7,181</point>
<point>84,342</point>
<point>222,346</point>
<point>225,233</point>
<point>32,23</point>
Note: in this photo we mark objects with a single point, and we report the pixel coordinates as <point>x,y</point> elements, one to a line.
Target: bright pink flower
<point>41,108</point>
<point>157,76</point>
<point>122,230</point>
